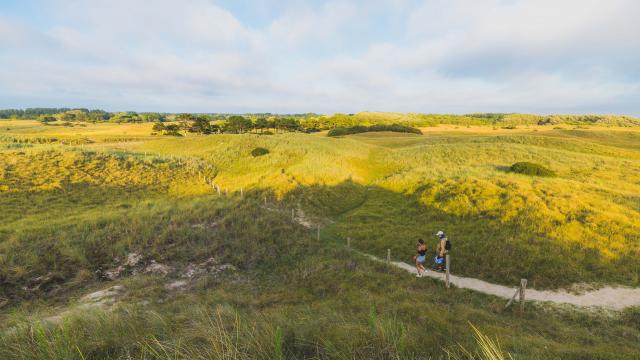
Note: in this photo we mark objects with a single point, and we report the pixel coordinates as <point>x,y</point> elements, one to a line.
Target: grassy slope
<point>327,302</point>
<point>585,221</point>
<point>383,191</point>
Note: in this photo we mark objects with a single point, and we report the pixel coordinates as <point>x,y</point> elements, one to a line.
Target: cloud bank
<point>453,56</point>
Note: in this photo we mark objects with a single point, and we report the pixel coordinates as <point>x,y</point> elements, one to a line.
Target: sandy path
<point>615,298</point>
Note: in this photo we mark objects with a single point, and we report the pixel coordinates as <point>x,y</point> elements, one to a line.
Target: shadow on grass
<point>257,228</point>
<point>327,302</point>
<point>484,246</point>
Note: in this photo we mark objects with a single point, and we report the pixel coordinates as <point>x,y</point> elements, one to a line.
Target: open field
<point>101,191</point>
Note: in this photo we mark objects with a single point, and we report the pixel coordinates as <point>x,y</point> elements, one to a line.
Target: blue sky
<point>435,56</point>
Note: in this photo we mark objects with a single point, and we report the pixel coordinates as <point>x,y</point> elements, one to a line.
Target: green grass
<point>68,211</point>
<point>327,302</point>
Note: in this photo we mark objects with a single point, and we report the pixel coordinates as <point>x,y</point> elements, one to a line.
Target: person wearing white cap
<point>442,250</point>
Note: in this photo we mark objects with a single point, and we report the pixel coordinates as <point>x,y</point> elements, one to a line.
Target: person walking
<point>443,248</point>
<point>421,257</point>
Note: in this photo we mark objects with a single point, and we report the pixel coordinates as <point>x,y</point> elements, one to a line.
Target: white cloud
<point>435,56</point>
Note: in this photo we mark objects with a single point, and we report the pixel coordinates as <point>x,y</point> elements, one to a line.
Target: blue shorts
<point>421,259</point>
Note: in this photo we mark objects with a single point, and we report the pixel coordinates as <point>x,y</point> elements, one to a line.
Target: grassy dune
<point>325,302</point>
<point>584,221</point>
<point>70,208</point>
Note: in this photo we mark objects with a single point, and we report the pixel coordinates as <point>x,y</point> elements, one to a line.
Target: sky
<point>288,56</point>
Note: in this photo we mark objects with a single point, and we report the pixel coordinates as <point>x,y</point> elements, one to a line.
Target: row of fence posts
<point>221,191</point>
<point>520,292</point>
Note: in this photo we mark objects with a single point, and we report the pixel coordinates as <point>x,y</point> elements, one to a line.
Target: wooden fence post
<point>293,215</point>
<point>318,232</point>
<point>447,259</point>
<point>348,243</point>
<point>388,256</point>
<point>513,298</point>
<point>218,189</point>
<point>523,288</point>
<point>241,192</point>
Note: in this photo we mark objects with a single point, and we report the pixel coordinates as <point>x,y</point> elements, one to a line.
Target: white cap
<point>440,233</point>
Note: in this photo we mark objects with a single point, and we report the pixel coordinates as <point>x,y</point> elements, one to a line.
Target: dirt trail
<point>615,298</point>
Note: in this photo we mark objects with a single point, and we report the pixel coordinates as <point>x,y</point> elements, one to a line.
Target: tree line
<point>235,124</point>
<point>224,122</point>
<point>49,115</point>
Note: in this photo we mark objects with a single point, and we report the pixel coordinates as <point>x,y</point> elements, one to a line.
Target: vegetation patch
<point>259,151</point>
<point>70,216</point>
<point>533,169</point>
<point>341,131</point>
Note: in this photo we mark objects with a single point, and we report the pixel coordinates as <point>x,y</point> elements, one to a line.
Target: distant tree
<point>261,123</point>
<point>45,119</point>
<point>134,117</point>
<point>292,124</point>
<point>68,116</point>
<point>185,117</point>
<point>312,124</point>
<point>158,127</point>
<point>278,124</point>
<point>81,116</point>
<point>172,129</point>
<point>126,117</point>
<point>201,124</point>
<point>237,124</point>
<point>185,121</point>
<point>97,115</point>
<point>120,118</point>
<point>272,124</point>
<point>287,124</point>
<point>11,113</point>
<point>152,117</point>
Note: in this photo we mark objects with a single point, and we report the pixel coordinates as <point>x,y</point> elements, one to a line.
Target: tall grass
<point>487,349</point>
<point>68,212</point>
<point>221,333</point>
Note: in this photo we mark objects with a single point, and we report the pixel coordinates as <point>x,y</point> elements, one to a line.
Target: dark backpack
<point>447,245</point>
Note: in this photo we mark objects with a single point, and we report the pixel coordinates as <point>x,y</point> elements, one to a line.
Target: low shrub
<point>528,168</point>
<point>259,151</point>
<point>341,131</point>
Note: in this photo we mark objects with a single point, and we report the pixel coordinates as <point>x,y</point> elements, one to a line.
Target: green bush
<point>259,151</point>
<point>528,168</point>
<point>341,131</point>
